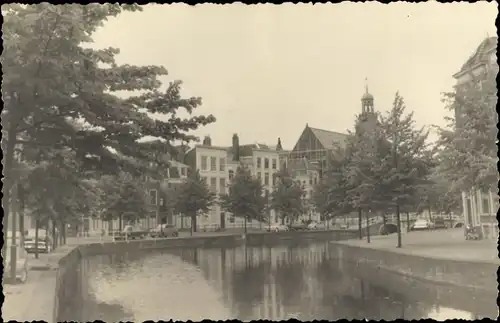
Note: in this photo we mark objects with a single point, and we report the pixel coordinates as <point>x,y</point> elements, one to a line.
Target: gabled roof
<point>480,56</point>
<point>329,139</point>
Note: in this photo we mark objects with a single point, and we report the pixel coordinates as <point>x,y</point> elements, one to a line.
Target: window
<point>213,164</point>
<point>204,163</point>
<point>183,171</point>
<point>486,206</point>
<point>231,218</point>
<point>274,179</point>
<point>266,178</point>
<point>153,196</point>
<point>259,175</point>
<point>275,163</point>
<point>213,184</point>
<point>310,179</point>
<point>231,174</point>
<point>259,162</point>
<point>266,163</point>
<point>222,164</point>
<point>315,180</point>
<point>204,180</point>
<point>223,186</point>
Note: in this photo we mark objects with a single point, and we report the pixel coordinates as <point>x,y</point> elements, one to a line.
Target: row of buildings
<point>306,162</point>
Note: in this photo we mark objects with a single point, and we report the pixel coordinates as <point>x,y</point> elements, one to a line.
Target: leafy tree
<point>194,198</point>
<point>406,167</point>
<point>330,195</point>
<point>366,149</point>
<point>122,197</point>
<point>468,151</point>
<point>245,197</point>
<point>287,197</point>
<point>60,94</point>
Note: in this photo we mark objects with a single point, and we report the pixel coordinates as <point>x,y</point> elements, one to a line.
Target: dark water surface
<point>305,282</point>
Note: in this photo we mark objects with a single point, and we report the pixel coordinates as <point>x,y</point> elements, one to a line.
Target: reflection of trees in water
<point>248,287</point>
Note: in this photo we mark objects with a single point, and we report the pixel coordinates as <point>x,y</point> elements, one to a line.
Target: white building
<point>480,207</point>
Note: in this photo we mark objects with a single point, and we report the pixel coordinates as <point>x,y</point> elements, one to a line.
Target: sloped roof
<point>480,55</point>
<point>329,139</point>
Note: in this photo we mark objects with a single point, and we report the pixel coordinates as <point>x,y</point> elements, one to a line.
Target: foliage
<point>194,198</point>
<point>330,195</point>
<point>245,197</point>
<point>367,151</point>
<point>121,196</point>
<point>287,198</point>
<point>406,167</point>
<point>468,151</point>
<point>60,94</point>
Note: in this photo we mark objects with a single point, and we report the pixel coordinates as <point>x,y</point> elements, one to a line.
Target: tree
<point>60,94</point>
<point>122,197</point>
<point>245,197</point>
<point>366,149</point>
<point>330,196</point>
<point>406,167</point>
<point>194,198</point>
<point>287,197</point>
<point>468,151</point>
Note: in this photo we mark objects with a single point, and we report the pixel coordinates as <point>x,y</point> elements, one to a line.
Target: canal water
<point>305,282</point>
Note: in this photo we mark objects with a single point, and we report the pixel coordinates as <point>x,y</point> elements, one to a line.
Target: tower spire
<point>366,84</point>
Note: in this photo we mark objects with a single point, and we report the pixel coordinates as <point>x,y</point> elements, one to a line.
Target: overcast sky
<point>265,71</point>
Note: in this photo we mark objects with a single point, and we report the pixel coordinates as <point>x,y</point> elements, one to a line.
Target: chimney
<point>236,148</point>
<point>207,141</point>
<point>278,146</point>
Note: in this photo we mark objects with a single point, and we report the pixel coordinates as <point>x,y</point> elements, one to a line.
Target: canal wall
<point>71,290</point>
<point>473,275</point>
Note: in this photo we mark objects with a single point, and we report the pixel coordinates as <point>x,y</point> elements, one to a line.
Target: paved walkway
<point>34,300</point>
<point>441,244</point>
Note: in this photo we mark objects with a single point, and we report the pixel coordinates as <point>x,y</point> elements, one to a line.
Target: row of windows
<point>266,163</point>
<point>213,164</point>
<point>212,184</point>
<point>268,178</point>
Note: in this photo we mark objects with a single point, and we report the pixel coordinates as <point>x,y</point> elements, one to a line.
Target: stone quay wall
<point>474,275</point>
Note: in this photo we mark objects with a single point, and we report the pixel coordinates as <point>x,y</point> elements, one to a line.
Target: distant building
<point>217,166</point>
<point>480,207</point>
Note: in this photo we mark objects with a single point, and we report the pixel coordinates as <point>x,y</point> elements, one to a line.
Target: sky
<point>264,71</point>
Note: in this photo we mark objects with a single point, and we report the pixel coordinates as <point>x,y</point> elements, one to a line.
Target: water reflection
<point>247,283</point>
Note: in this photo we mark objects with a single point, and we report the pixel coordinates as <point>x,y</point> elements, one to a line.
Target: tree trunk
<point>21,215</point>
<point>398,219</point>
<point>63,231</point>
<point>245,217</point>
<point>37,226</point>
<point>54,235</point>
<point>8,160</point>
<point>360,219</point>
<point>120,222</point>
<point>194,224</point>
<point>367,226</point>
<point>407,221</point>
<point>182,221</point>
<point>384,219</point>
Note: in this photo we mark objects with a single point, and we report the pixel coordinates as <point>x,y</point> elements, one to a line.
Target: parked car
<point>277,228</point>
<point>298,227</point>
<point>313,226</point>
<point>163,231</point>
<point>422,224</point>
<point>44,241</point>
<point>21,264</point>
<point>439,223</point>
<point>131,232</point>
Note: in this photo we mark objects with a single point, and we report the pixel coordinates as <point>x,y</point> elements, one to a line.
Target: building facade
<point>479,206</point>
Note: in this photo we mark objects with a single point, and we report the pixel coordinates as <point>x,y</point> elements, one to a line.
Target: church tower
<point>368,115</point>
